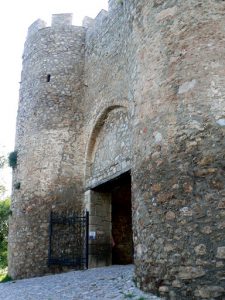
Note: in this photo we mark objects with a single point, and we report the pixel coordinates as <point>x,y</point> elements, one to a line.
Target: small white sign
<point>92,235</point>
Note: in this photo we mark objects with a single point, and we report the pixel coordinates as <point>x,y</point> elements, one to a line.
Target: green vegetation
<point>120,2</point>
<point>17,185</point>
<point>13,159</point>
<point>4,215</point>
<point>4,277</point>
<point>129,295</point>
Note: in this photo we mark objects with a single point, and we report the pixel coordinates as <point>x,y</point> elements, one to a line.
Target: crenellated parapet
<point>57,21</point>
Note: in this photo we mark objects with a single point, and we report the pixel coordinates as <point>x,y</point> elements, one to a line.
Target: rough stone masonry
<point>139,89</point>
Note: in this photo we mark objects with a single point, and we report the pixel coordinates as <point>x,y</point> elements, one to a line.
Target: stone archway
<point>108,150</point>
<point>108,158</point>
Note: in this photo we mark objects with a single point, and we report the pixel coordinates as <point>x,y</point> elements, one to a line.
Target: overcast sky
<point>16,16</point>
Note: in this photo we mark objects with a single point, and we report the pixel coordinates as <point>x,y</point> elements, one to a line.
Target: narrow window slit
<point>48,78</point>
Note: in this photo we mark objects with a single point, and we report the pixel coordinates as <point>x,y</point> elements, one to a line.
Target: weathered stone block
<point>209,292</point>
<point>200,249</point>
<point>190,272</point>
<point>220,253</point>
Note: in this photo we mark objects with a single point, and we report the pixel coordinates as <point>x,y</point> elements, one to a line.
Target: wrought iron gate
<point>68,240</point>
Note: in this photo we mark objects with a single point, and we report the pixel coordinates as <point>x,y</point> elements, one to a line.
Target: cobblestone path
<point>113,282</point>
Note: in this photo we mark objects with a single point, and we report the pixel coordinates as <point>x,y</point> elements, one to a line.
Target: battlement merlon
<point>59,20</point>
<point>87,22</point>
<point>36,26</point>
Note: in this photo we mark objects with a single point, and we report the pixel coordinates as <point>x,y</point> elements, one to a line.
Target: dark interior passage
<point>121,218</point>
<point>122,250</point>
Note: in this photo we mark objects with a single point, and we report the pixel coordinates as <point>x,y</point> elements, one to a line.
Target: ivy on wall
<point>12,159</point>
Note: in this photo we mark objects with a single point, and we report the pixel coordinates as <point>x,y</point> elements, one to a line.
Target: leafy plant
<point>4,277</point>
<point>4,214</point>
<point>17,185</point>
<point>13,159</point>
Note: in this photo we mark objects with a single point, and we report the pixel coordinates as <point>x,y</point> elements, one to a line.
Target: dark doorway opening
<point>121,218</point>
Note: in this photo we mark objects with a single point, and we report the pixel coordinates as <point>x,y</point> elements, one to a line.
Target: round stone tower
<point>178,160</point>
<point>48,174</point>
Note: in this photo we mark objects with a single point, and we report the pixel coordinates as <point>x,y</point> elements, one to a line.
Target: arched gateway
<point>108,189</point>
<point>167,59</point>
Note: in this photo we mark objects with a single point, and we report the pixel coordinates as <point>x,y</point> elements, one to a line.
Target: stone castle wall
<point>178,157</point>
<point>49,141</point>
<point>106,94</point>
<point>147,76</point>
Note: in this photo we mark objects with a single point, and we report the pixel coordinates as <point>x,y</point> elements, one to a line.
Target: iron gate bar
<point>50,238</point>
<point>87,238</point>
<point>77,253</point>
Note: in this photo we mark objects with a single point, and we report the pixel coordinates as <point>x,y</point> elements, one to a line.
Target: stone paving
<point>113,282</point>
